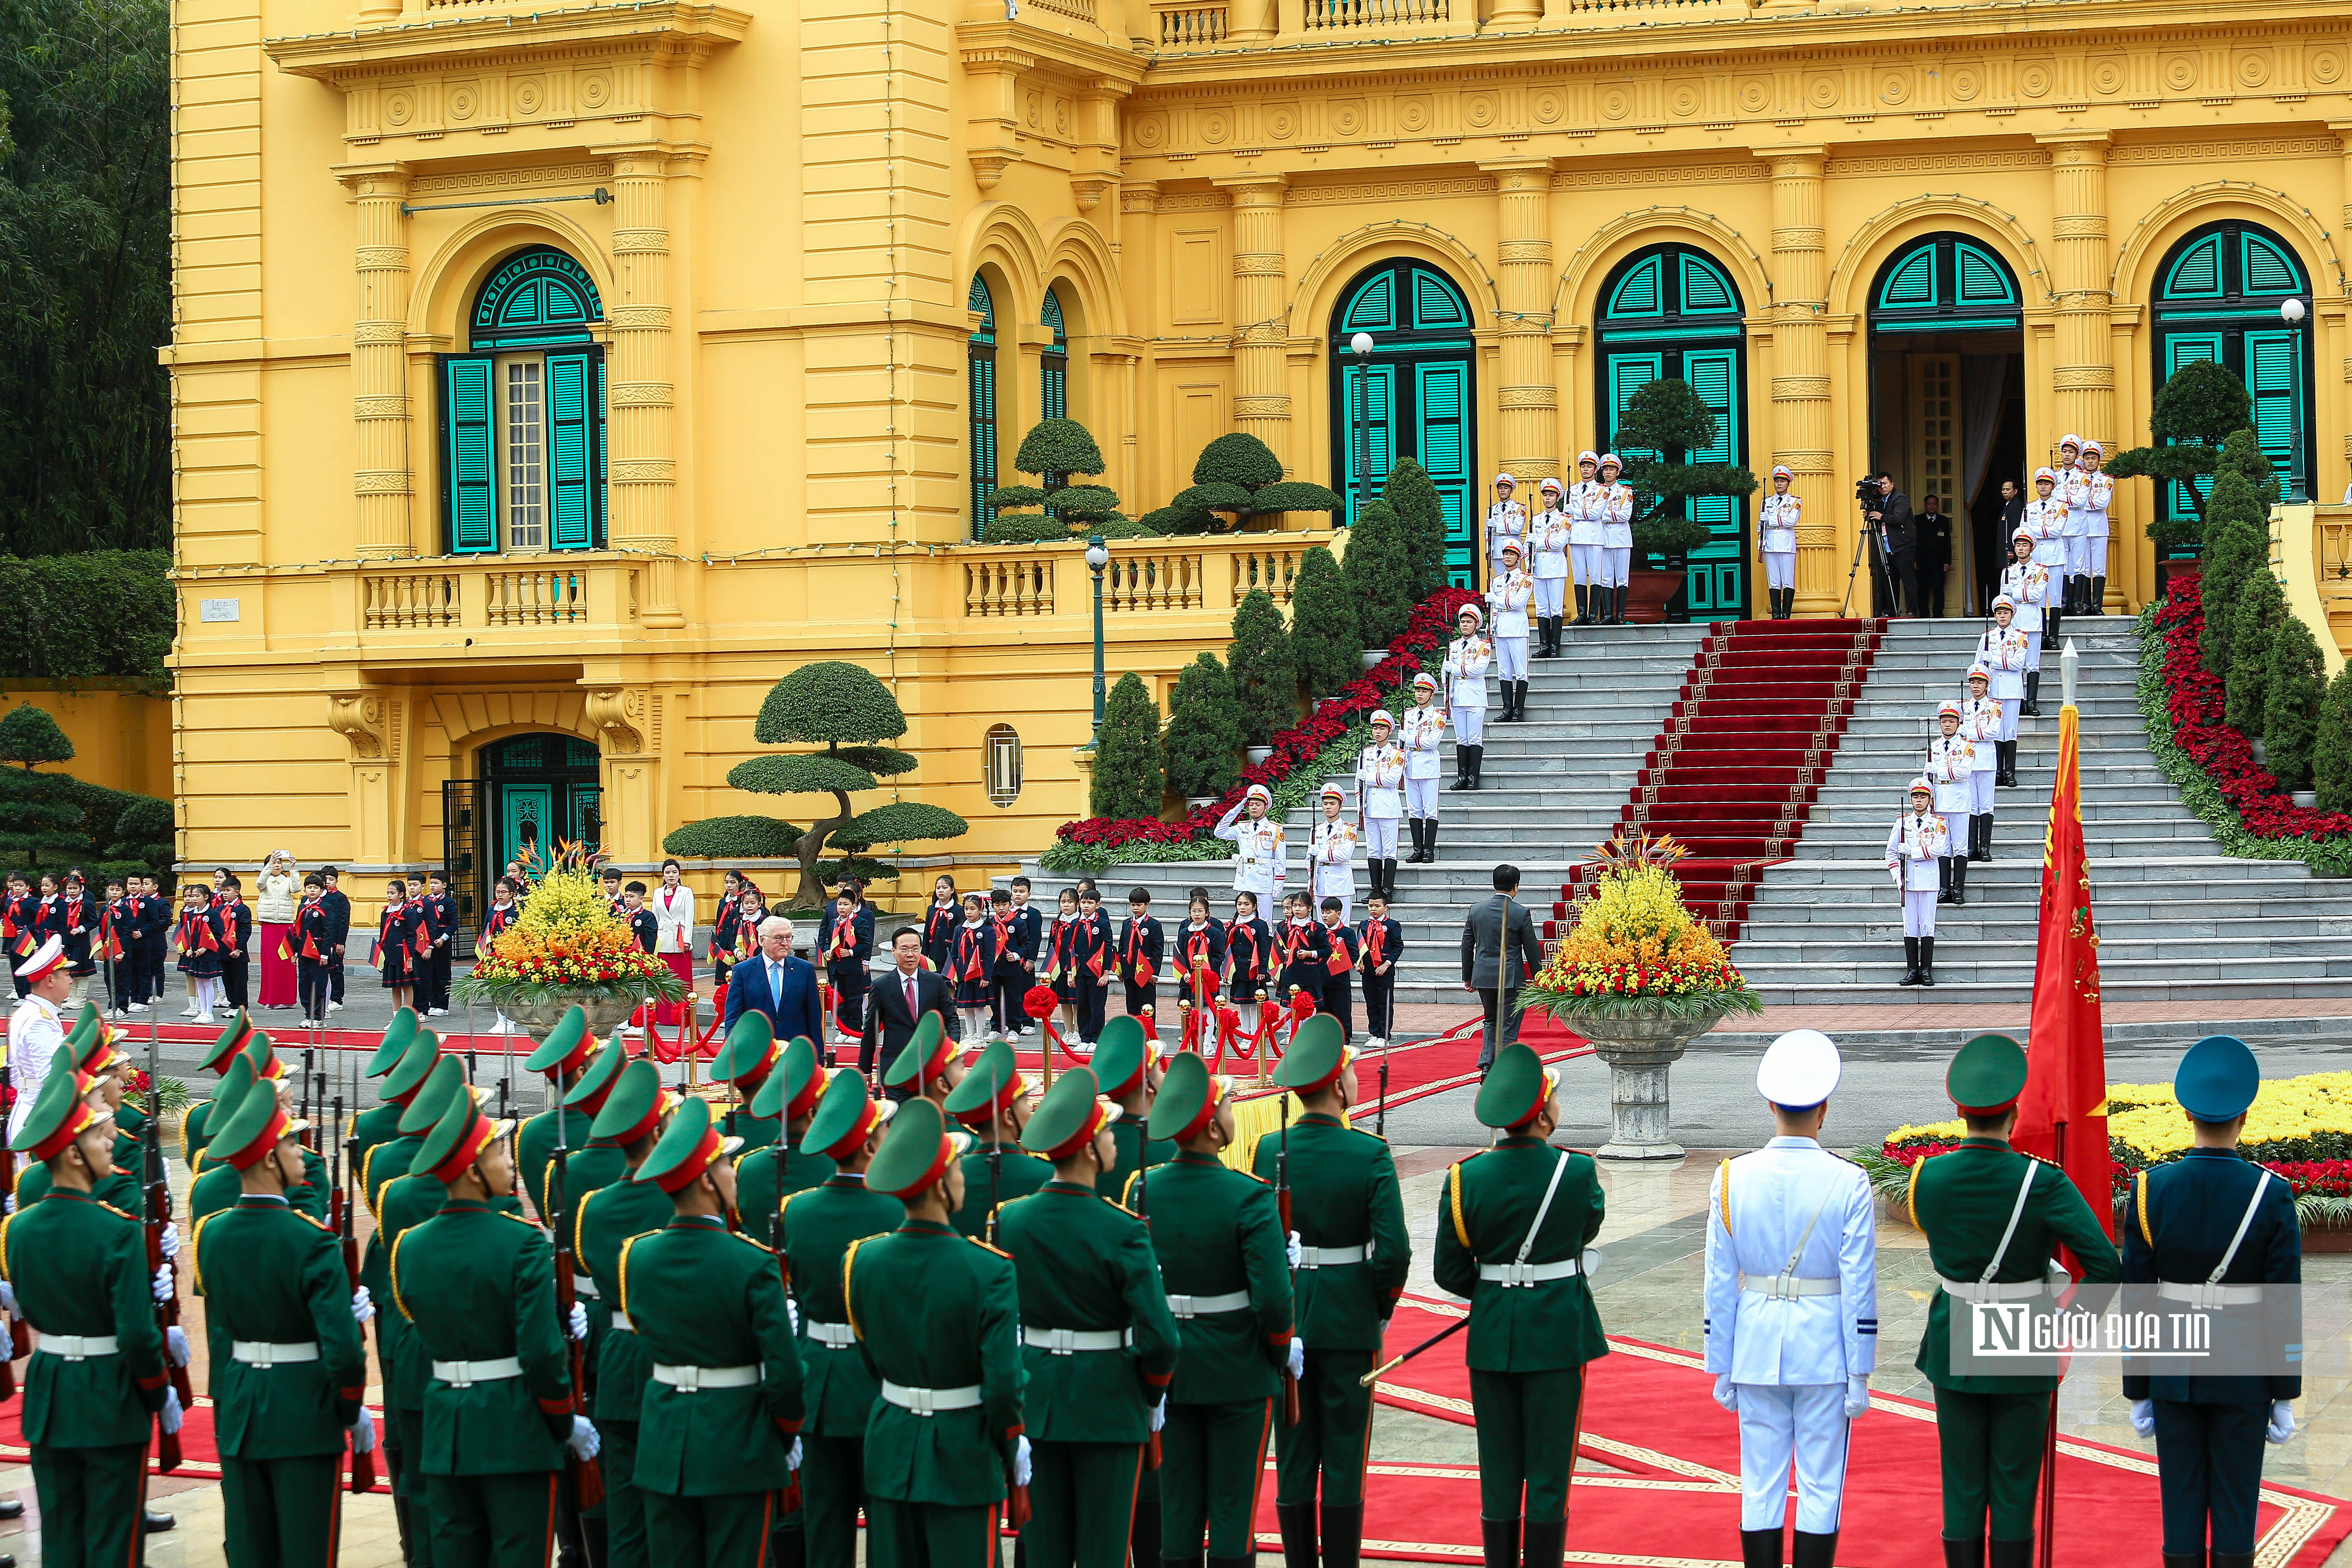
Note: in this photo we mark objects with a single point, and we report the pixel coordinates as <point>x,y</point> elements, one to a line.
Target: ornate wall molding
<point>1389,190</point>
<point>359,718</point>
<point>2225,152</point>
<point>513,179</point>
<point>1732,171</point>
<point>1941,162</point>
<point>619,716</point>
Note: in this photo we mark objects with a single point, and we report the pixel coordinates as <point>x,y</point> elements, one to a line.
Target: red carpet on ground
<point>1734,772</point>
<point>199,1458</point>
<point>1650,1426</point>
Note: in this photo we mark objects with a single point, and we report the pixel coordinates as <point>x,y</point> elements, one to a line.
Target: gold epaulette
<point>1254,1176</point>
<point>530,1225</point>
<point>124,1213</point>
<point>986,1248</point>
<point>1454,1201</point>
<point>2139,1198</point>
<point>1723,1195</point>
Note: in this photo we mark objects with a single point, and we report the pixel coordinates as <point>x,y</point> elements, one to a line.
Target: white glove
<point>792,1460</point>
<point>362,1305</point>
<point>8,1203</point>
<point>1292,1251</point>
<point>577,1325</point>
<point>363,1433</point>
<point>1722,1394</point>
<point>8,1300</point>
<point>792,1314</point>
<point>170,1414</point>
<point>1298,1362</point>
<point>583,1441</point>
<point>163,1284</point>
<point>2143,1417</point>
<point>167,1241</point>
<point>1020,1461</point>
<point>1857,1396</point>
<point>175,1344</point>
<point>1159,1413</point>
<point>2281,1425</point>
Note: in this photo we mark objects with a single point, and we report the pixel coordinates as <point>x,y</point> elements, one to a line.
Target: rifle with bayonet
<point>339,1221</point>
<point>156,1204</point>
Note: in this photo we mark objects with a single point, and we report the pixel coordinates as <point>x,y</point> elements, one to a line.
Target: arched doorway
<point>1948,399</point>
<point>1412,396</point>
<point>529,791</point>
<point>2217,296</point>
<point>1670,311</point>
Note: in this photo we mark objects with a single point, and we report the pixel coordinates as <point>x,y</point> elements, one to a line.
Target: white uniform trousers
<point>1805,1425</point>
<point>2094,547</point>
<point>1470,726</point>
<point>1955,827</point>
<point>1420,801</point>
<point>1591,564</point>
<point>1779,571</point>
<point>1510,659</point>
<point>1379,836</point>
<point>1550,593</point>
<point>1620,568</point>
<point>2009,707</point>
<point>1920,912</point>
<point>1980,781</point>
<point>2078,556</point>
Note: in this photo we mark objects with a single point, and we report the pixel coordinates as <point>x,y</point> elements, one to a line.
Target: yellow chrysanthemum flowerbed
<point>1635,947</point>
<point>566,942</point>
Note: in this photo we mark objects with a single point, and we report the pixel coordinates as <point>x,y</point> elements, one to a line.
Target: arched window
<point>1943,283</point>
<point>523,414</point>
<point>1054,378</point>
<point>2217,296</point>
<point>1001,764</point>
<point>1412,396</point>
<point>1672,311</point>
<point>980,391</point>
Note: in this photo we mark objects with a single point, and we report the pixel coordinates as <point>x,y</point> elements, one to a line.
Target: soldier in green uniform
<point>479,1285</point>
<point>1354,1255</point>
<point>718,1421</point>
<point>1992,1219</point>
<point>766,1177</point>
<point>1126,1064</point>
<point>2210,1230</point>
<point>194,1124</point>
<point>363,1129</point>
<point>1223,1262</point>
<point>746,1061</point>
<point>287,1368</point>
<point>389,1161</point>
<point>563,1056</point>
<point>818,1226</point>
<point>993,1103</point>
<point>1096,1339</point>
<point>219,1185</point>
<point>96,1058</point>
<point>590,1164</point>
<point>630,1122</point>
<point>937,1317</point>
<point>929,1065</point>
<point>77,1270</point>
<point>1512,1223</point>
<point>216,1187</point>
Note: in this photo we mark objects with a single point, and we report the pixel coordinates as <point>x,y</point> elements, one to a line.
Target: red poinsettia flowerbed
<point>2195,703</point>
<point>1425,633</point>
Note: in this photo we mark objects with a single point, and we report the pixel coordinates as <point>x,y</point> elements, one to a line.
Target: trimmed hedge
<point>105,612</point>
<point>748,837</point>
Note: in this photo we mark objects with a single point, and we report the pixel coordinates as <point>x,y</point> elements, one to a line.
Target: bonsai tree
<point>1663,423</point>
<point>2198,409</point>
<point>2331,752</point>
<point>1323,630</point>
<point>1238,476</point>
<point>1421,521</point>
<point>843,709</point>
<point>29,736</point>
<point>1127,754</point>
<point>1203,732</point>
<point>1053,450</point>
<point>1265,675</point>
<point>2295,687</point>
<point>734,838</point>
<point>1383,582</point>
<point>2255,620</point>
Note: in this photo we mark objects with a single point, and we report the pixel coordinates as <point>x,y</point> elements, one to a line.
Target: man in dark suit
<point>775,983</point>
<point>1499,951</point>
<point>1898,542</point>
<point>897,1003</point>
<point>1934,548</point>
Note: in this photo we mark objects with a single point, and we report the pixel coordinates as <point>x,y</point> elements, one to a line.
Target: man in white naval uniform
<point>37,1028</point>
<point>1423,737</point>
<point>1261,858</point>
<point>1792,1323</point>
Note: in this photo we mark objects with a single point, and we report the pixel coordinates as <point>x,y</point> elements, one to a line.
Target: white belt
<point>1202,1306</point>
<point>621,1321</point>
<point>688,1379</point>
<point>261,1352</point>
<point>79,1347</point>
<point>2207,1297</point>
<point>584,1285</point>
<point>1786,1287</point>
<point>924,1401</point>
<point>2015,1290</point>
<point>466,1374</point>
<point>1331,1257</point>
<point>1509,1275</point>
<point>1066,1342</point>
<point>840,1336</point>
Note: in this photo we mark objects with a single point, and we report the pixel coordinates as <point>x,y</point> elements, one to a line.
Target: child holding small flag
<point>1336,997</point>
<point>971,960</point>
<point>198,938</point>
<point>396,929</point>
<point>313,945</point>
<point>503,913</point>
<point>1142,947</point>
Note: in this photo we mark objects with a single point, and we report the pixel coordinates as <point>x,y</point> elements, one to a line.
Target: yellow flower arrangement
<point>567,941</point>
<point>1633,943</point>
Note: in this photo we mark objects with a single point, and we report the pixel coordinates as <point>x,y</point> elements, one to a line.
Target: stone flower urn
<point>605,1010</point>
<point>1641,1048</point>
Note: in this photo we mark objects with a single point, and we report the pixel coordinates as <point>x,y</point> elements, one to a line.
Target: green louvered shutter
<point>570,452</point>
<point>1442,402</point>
<point>2274,376</point>
<point>1715,568</point>
<point>469,466</point>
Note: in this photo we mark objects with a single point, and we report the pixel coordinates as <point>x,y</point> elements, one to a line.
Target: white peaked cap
<point>1799,1069</point>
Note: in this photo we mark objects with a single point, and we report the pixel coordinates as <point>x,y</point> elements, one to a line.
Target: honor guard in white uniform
<point>38,1025</point>
<point>1423,738</point>
<point>1792,1321</point>
<point>2027,581</point>
<point>1261,859</point>
<point>1548,536</point>
<point>2005,653</point>
<point>1588,511</point>
<point>1380,782</point>
<point>1916,846</point>
<point>1951,767</point>
<point>2070,452</point>
<point>1616,534</point>
<point>2045,518</point>
<point>1980,718</point>
<point>1508,595</point>
<point>1466,658</point>
<point>1507,519</point>
<point>1331,850</point>
<point>1776,542</point>
<point>2089,495</point>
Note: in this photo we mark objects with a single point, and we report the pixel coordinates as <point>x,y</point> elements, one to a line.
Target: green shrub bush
<point>1127,776</point>
<point>747,837</point>
<point>2331,752</point>
<point>2253,620</point>
<point>105,612</point>
<point>1199,747</point>
<point>1384,580</point>
<point>1324,636</point>
<point>1264,670</point>
<point>2296,686</point>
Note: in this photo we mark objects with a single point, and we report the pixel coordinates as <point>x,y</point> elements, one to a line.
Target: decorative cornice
<point>359,54</point>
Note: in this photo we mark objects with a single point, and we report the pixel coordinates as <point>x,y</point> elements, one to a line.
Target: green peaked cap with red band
<point>845,1118</point>
<point>1987,1075</point>
<point>59,1114</point>
<point>229,1095</point>
<point>1187,1098</point>
<point>456,1140</point>
<point>796,1090</point>
<point>596,1079</point>
<point>240,1029</point>
<point>925,1056</point>
<point>749,1053</point>
<point>691,1146</point>
<point>566,1046</point>
<point>916,1151</point>
<point>415,1065</point>
<point>1316,1057</point>
<point>395,1043</point>
<point>635,1107</point>
<point>1516,1086</point>
<point>1072,1111</point>
<point>442,1086</point>
<point>1121,1056</point>
<point>247,1135</point>
<point>993,1083</point>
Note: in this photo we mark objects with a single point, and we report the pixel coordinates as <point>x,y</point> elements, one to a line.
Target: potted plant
<point>1639,976</point>
<point>567,948</point>
<point>1664,423</point>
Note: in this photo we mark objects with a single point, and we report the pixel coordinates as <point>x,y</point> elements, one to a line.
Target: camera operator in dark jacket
<point>1898,542</point>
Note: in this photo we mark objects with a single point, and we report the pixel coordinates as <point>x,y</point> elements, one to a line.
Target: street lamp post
<point>1098,557</point>
<point>2291,311</point>
<point>1361,343</point>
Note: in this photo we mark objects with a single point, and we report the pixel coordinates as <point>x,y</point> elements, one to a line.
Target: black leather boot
<point>1297,1522</point>
<point>1523,701</point>
<point>2186,1560</point>
<point>1547,1544</point>
<point>1343,1535</point>
<point>1418,855</point>
<point>1968,1554</point>
<point>1943,878</point>
<point>2007,752</point>
<point>1583,606</point>
<point>2031,707</point>
<point>1760,1548</point>
<point>1143,1536</point>
<point>158,1522</point>
<point>1961,873</point>
<point>1429,844</point>
<point>1810,1551</point>
<point>1910,962</point>
<point>1477,765</point>
<point>2010,1553</point>
<point>1501,1540</point>
<point>1461,767</point>
<point>2229,1560</point>
<point>1927,961</point>
<point>1980,838</point>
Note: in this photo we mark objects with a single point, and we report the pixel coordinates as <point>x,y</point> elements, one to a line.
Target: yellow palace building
<point>551,379</point>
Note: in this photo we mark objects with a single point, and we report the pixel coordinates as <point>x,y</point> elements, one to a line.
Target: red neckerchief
<point>1293,938</point>
<point>1003,924</point>
<point>73,911</point>
<point>1239,936</point>
<point>844,937</point>
<point>968,941</point>
<point>1196,947</point>
<point>1135,954</point>
<point>1376,934</point>
<point>942,915</point>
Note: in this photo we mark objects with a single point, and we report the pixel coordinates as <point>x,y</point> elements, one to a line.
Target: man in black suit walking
<point>897,1003</point>
<point>1499,952</point>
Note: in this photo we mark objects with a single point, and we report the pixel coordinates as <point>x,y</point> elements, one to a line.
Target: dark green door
<point>1412,396</point>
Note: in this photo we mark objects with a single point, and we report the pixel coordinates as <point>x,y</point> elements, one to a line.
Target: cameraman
<point>1890,520</point>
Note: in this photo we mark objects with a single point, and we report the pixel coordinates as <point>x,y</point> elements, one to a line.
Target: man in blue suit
<point>775,983</point>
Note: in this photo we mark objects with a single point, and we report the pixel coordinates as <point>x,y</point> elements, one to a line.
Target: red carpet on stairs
<point>1734,775</point>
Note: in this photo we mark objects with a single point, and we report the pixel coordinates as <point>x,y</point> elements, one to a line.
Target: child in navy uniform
<point>1142,948</point>
<point>971,960</point>
<point>1096,963</point>
<point>440,927</point>
<point>236,935</point>
<point>1249,959</point>
<point>1379,943</point>
<point>395,930</point>
<point>842,957</point>
<point>1338,995</point>
<point>1301,948</point>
